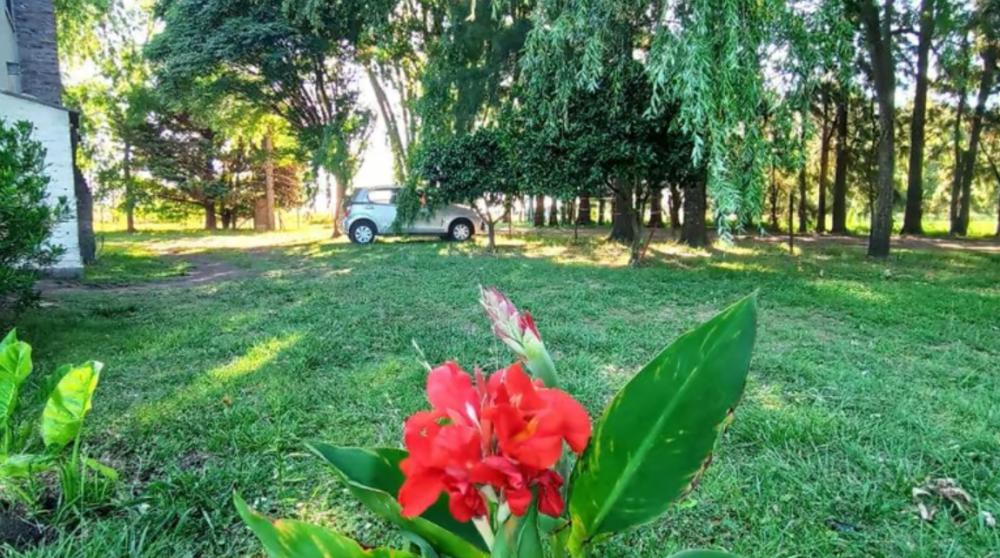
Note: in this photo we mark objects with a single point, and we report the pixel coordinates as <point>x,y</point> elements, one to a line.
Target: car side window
<point>381,196</point>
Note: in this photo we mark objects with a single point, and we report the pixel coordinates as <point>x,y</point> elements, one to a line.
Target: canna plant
<point>60,427</point>
<point>507,465</point>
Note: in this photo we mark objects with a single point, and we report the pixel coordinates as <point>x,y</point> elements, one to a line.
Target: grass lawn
<point>868,379</point>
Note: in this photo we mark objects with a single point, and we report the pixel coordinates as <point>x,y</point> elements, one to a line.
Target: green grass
<point>868,378</point>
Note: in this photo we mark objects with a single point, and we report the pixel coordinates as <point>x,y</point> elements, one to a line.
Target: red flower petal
<point>449,390</point>
<point>419,491</point>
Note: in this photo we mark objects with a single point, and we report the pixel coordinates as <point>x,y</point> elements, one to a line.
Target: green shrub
<point>30,448</point>
<point>27,216</point>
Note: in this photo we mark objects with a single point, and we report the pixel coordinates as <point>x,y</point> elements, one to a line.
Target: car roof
<point>370,188</point>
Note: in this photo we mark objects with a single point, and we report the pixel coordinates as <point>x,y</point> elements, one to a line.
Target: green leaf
<point>702,554</point>
<point>24,465</point>
<point>657,435</point>
<point>69,403</point>
<point>374,477</point>
<point>15,366</point>
<point>107,472</point>
<point>519,537</point>
<point>287,538</point>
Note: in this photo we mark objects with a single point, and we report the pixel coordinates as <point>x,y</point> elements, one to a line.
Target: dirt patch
<point>204,269</point>
<point>19,532</point>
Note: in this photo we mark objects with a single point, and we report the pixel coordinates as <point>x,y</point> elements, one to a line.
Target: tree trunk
<point>583,211</point>
<point>340,188</point>
<point>773,195</point>
<point>693,233</point>
<point>269,178</point>
<point>824,164</point>
<point>539,211</point>
<point>622,215</point>
<point>129,189</point>
<point>839,225</point>
<point>956,177</point>
<point>210,223</point>
<point>554,213</point>
<point>600,211</point>
<point>912,218</point>
<point>985,86</point>
<point>491,243</point>
<point>674,202</point>
<point>803,210</point>
<point>878,35</point>
<point>84,200</point>
<point>656,208</point>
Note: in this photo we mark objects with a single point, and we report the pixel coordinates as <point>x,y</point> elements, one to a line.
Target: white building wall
<point>52,129</point>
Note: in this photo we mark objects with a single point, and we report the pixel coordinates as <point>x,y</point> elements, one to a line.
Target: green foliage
<point>652,445</point>
<point>69,404</point>
<point>657,435</point>
<point>285,538</point>
<point>61,424</point>
<point>373,477</point>
<point>27,214</point>
<point>841,380</point>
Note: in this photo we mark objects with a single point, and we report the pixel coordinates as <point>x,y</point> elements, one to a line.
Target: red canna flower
<point>532,421</point>
<point>505,433</point>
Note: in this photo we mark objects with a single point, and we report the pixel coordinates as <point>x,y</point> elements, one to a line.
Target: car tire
<point>461,230</point>
<point>362,232</point>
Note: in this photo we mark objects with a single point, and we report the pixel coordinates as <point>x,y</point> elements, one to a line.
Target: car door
<point>382,207</point>
<point>426,222</point>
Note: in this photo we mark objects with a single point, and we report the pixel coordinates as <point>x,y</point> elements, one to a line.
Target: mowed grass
<point>868,378</point>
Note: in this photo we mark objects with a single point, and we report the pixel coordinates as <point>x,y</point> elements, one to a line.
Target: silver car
<point>370,212</point>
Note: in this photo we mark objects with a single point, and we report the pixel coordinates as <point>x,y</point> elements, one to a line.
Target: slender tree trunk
<point>210,222</point>
<point>539,211</point>
<point>554,213</point>
<point>600,211</point>
<point>956,177</point>
<point>491,243</point>
<point>824,164</point>
<point>129,189</point>
<point>878,35</point>
<point>269,178</point>
<point>839,225</point>
<point>340,189</point>
<point>656,208</point>
<point>674,202</point>
<point>773,195</point>
<point>622,215</point>
<point>912,218</point>
<point>583,211</point>
<point>803,209</point>
<point>84,200</point>
<point>985,87</point>
<point>693,232</point>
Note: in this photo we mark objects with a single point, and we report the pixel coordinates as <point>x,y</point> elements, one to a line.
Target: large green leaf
<point>657,435</point>
<point>24,464</point>
<point>69,403</point>
<point>374,477</point>
<point>287,538</point>
<point>15,366</point>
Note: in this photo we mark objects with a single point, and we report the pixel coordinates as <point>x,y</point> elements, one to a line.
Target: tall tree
<point>912,218</point>
<point>988,21</point>
<point>291,57</point>
<point>877,28</point>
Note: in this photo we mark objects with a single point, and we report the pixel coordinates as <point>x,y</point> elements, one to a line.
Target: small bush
<point>27,216</point>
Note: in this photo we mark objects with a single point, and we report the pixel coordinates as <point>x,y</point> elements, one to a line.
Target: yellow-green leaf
<point>15,366</point>
<point>657,435</point>
<point>24,464</point>
<point>287,538</point>
<point>69,403</point>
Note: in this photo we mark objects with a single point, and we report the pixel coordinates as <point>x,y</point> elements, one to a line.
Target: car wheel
<point>362,232</point>
<point>460,230</point>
